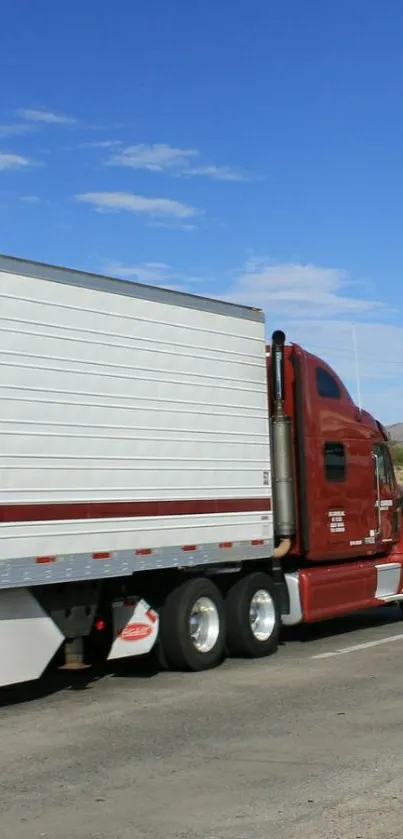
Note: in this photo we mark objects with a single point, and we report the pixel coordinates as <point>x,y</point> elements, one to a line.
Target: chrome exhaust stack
<point>282,452</point>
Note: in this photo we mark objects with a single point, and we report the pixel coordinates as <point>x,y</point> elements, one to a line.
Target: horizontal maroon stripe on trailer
<point>74,510</point>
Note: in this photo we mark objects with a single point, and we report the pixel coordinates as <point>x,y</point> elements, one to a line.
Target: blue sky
<point>242,149</point>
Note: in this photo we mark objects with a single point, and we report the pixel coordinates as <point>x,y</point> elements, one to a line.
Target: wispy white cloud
<point>15,129</point>
<point>145,272</point>
<point>100,144</point>
<point>303,289</point>
<point>173,224</point>
<point>161,157</point>
<point>30,199</point>
<point>92,144</point>
<point>138,204</point>
<point>217,173</point>
<point>152,273</point>
<point>13,161</point>
<point>42,115</point>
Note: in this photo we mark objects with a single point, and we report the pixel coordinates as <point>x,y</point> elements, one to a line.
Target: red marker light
<point>100,625</point>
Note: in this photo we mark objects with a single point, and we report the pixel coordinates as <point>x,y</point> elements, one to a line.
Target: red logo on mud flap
<point>135,632</point>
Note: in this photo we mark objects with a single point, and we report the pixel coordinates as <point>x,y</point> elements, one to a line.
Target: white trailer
<point>134,472</point>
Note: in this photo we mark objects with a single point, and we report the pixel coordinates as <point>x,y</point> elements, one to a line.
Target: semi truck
<point>172,483</point>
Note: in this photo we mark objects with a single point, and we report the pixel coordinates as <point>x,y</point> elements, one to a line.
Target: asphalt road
<point>305,744</point>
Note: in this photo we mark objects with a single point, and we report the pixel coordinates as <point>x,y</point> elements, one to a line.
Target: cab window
<point>334,461</point>
<point>326,385</point>
<point>385,466</point>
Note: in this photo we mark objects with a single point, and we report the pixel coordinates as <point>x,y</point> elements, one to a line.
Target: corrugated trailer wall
<point>130,417</point>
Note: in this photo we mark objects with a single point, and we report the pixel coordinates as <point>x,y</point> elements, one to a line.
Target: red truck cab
<point>344,531</point>
<point>347,496</point>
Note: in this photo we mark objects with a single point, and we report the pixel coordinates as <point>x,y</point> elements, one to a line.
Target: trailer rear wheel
<point>253,617</point>
<point>192,626</point>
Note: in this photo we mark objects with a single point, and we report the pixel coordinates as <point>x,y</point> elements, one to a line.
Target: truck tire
<point>253,617</point>
<point>192,626</point>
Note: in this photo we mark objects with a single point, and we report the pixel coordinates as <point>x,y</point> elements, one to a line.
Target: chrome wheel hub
<point>262,615</point>
<point>204,624</point>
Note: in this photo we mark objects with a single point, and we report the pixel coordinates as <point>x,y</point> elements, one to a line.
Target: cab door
<point>386,494</point>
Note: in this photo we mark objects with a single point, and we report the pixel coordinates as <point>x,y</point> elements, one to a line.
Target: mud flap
<point>135,629</point>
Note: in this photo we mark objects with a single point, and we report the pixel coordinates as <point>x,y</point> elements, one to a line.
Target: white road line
<point>356,647</point>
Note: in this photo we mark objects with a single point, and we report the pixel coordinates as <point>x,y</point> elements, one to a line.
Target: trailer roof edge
<point>127,288</point>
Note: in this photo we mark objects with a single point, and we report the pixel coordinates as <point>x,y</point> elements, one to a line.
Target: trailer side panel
<point>128,423</point>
